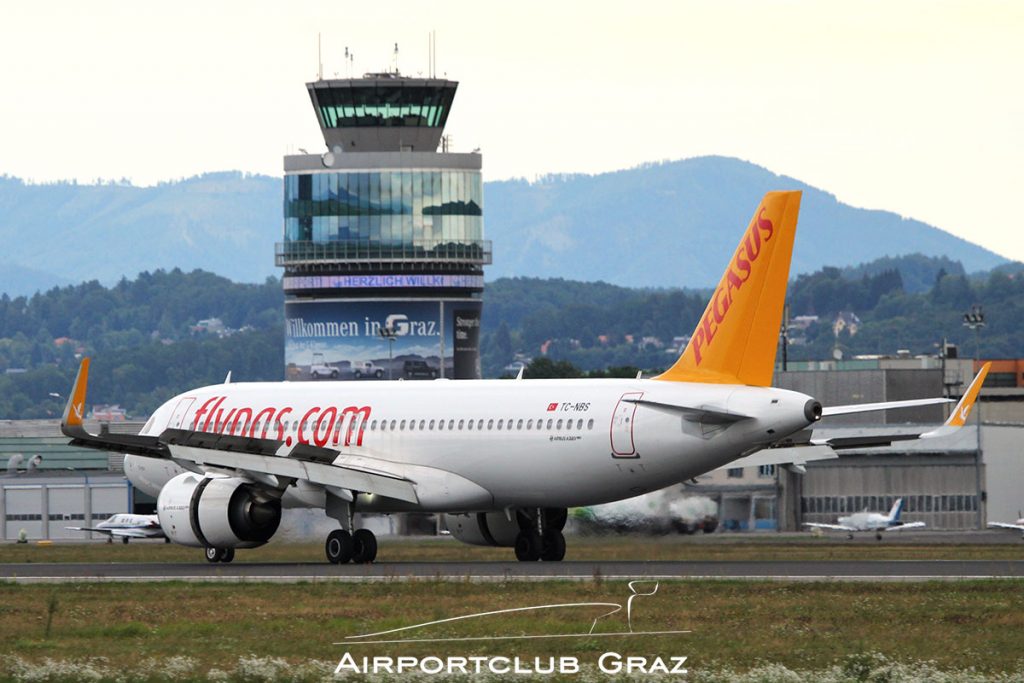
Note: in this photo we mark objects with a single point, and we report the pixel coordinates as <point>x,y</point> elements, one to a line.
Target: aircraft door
<point>180,410</point>
<point>622,426</point>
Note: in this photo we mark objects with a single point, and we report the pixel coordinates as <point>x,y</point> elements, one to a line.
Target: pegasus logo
<point>77,408</point>
<point>740,270</point>
<point>964,412</point>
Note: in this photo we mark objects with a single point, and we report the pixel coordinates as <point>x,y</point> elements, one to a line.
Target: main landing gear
<point>348,545</point>
<point>540,535</point>
<point>220,554</point>
<point>359,546</point>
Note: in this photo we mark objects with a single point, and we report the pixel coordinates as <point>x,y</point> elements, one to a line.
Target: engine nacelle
<point>216,512</point>
<point>483,528</point>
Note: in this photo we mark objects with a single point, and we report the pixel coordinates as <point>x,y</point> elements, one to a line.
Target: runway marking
<point>866,578</point>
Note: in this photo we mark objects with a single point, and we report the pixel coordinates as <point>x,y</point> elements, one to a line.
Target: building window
<point>766,470</point>
<point>734,472</point>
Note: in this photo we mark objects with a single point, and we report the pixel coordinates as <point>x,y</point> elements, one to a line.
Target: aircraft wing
<point>90,528</point>
<point>1004,525</point>
<point>264,460</point>
<point>957,418</point>
<point>788,455</point>
<point>901,527</point>
<point>832,527</point>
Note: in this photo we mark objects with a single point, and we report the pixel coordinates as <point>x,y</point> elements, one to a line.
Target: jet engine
<point>483,528</point>
<point>217,512</point>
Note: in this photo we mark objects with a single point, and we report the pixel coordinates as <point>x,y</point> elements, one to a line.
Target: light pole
<point>388,333</point>
<point>974,319</point>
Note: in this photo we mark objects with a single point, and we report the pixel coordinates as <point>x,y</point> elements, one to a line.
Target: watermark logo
<point>608,663</point>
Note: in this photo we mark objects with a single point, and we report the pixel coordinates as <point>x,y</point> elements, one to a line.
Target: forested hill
<point>660,225</point>
<point>164,332</point>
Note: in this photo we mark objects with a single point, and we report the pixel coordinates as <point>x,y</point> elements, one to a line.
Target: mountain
<point>671,225</point>
<point>225,223</point>
<point>660,225</point>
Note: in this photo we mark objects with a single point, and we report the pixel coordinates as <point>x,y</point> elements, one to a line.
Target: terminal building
<point>383,249</point>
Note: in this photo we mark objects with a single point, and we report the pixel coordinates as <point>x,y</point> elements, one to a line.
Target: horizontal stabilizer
<point>702,413</point>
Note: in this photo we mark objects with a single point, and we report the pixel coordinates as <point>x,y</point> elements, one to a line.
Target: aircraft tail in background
<point>897,508</point>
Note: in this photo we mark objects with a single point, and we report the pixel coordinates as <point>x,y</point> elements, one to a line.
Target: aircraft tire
<point>528,546</point>
<point>365,546</point>
<point>553,547</point>
<point>339,546</point>
<point>213,555</point>
<point>228,555</point>
<point>124,539</point>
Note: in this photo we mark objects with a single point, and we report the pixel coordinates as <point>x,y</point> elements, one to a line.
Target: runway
<point>485,572</point>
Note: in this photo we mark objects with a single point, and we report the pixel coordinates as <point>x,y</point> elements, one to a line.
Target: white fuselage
<point>491,444</point>
<point>867,521</point>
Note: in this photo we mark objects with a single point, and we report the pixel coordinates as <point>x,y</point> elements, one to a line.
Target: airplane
<point>871,521</point>
<point>501,460</point>
<point>1017,526</point>
<point>127,526</point>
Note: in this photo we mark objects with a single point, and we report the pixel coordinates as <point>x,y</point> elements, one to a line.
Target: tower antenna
<point>319,60</point>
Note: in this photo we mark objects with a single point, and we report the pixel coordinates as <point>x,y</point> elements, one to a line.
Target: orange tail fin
<point>737,337</point>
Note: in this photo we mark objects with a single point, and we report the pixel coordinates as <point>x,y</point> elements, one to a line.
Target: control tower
<point>383,249</point>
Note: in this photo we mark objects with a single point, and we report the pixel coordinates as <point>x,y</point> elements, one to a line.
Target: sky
<point>913,107</point>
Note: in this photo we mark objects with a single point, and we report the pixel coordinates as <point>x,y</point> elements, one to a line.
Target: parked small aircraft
<point>871,521</point>
<point>127,526</point>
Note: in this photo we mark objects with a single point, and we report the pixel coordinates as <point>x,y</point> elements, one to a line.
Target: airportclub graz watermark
<point>611,661</point>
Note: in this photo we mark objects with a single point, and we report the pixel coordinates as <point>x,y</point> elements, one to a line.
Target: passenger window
<point>422,423</point>
<point>431,425</point>
<point>373,426</point>
<point>500,423</point>
<point>590,424</point>
<point>490,425</point>
<point>529,424</point>
<point>519,425</point>
<point>461,423</point>
<point>470,424</point>
<point>558,425</point>
<point>412,425</point>
<point>401,426</point>
<point>393,423</point>
<point>549,423</point>
<point>579,424</point>
<point>451,425</point>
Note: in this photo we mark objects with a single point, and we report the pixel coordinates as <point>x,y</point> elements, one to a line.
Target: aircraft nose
<point>812,410</point>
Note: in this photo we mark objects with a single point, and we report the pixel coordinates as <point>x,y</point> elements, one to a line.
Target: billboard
<point>365,339</point>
